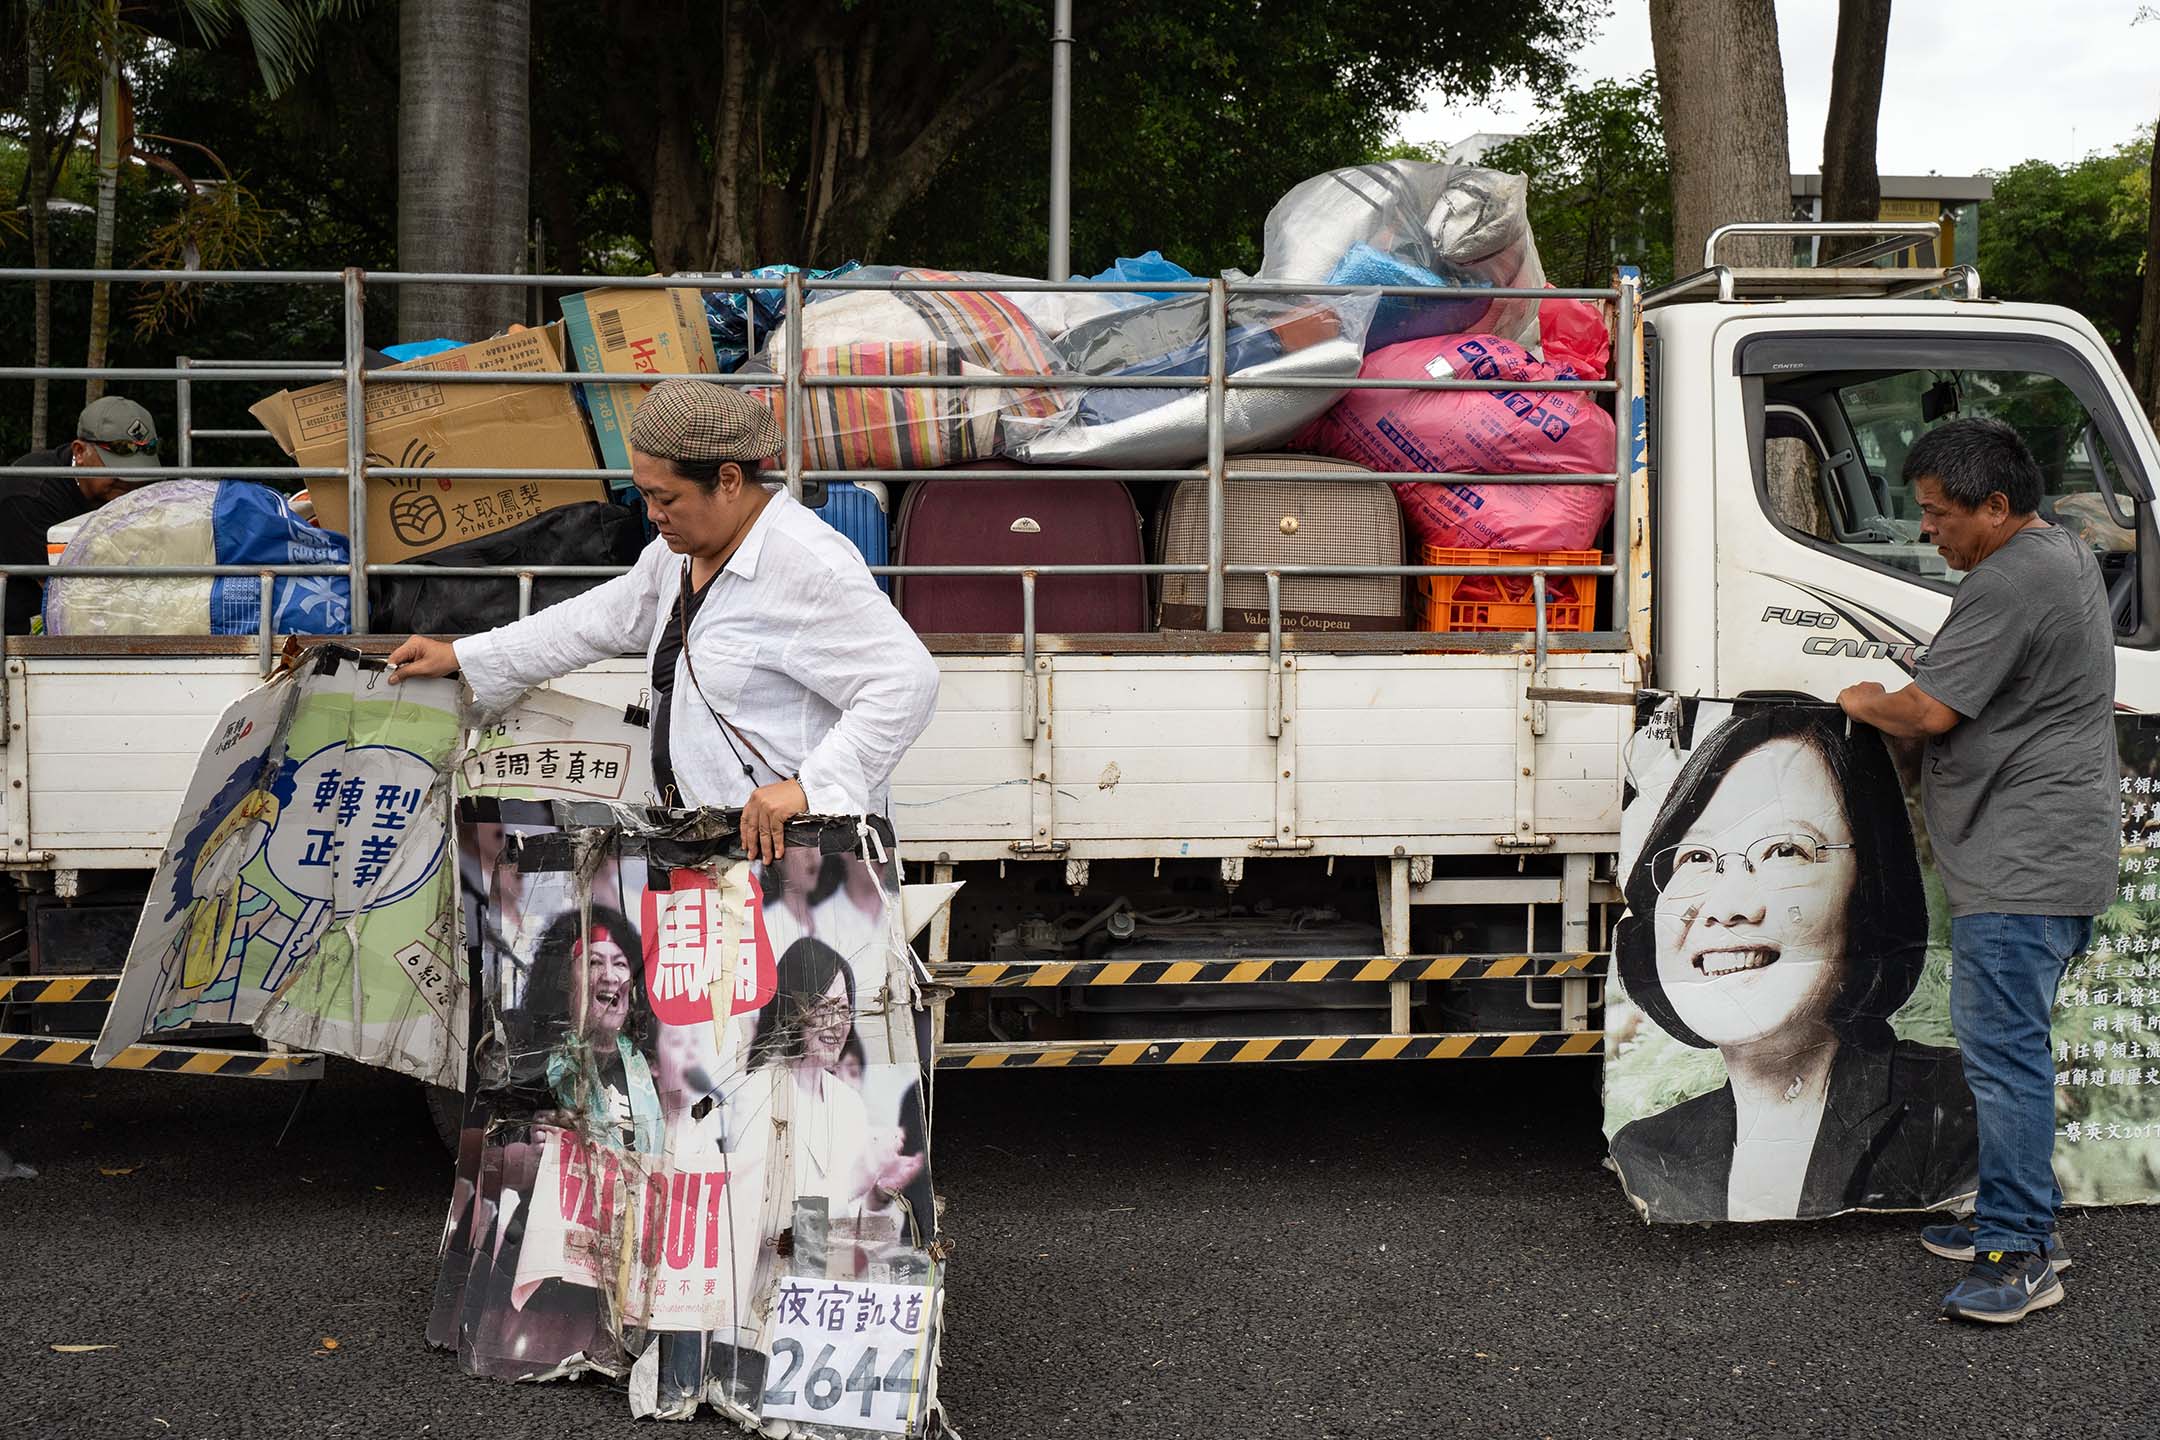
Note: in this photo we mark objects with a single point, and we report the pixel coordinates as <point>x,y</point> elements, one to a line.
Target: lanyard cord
<point>727,731</point>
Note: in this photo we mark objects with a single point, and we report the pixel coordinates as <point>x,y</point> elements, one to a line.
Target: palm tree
<point>72,44</point>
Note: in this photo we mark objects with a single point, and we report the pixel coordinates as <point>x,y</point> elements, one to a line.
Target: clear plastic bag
<point>169,523</point>
<point>1460,223</point>
<point>1267,337</point>
<point>906,334</point>
<point>198,522</point>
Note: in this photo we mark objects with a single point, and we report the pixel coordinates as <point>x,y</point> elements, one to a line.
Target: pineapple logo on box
<point>418,519</point>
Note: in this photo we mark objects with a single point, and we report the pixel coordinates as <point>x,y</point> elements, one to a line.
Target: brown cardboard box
<point>632,332</point>
<point>415,425</point>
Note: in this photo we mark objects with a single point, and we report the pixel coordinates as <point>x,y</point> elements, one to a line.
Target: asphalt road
<point>1246,1253</point>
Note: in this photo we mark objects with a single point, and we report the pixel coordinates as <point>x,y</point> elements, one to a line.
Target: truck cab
<point>1788,550</point>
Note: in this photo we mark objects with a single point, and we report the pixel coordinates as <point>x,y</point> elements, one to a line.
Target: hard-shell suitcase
<point>949,520</point>
<point>858,510</point>
<point>1287,522</point>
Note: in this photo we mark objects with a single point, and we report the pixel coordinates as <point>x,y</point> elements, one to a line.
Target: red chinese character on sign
<point>682,933</point>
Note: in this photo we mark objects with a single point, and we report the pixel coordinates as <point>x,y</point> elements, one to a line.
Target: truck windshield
<point>1835,448</point>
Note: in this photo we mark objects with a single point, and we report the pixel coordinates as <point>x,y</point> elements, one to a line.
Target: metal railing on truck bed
<point>1218,469</point>
<point>1404,880</point>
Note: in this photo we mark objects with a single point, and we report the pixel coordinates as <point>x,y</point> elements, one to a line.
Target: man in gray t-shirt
<point>2016,701</point>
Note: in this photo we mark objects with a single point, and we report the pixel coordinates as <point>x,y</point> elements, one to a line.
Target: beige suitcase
<point>1287,522</point>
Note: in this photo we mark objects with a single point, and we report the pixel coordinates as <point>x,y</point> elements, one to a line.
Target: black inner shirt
<point>664,657</point>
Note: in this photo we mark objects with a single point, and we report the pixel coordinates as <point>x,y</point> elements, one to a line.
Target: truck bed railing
<point>1217,471</point>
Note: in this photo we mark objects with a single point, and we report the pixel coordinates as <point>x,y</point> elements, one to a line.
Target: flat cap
<point>697,423</point>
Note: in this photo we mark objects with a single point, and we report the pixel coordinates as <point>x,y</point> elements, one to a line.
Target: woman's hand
<point>765,816</point>
<point>420,658</point>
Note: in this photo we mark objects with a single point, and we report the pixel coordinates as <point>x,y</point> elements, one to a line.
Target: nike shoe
<point>1954,1241</point>
<point>2002,1287</point>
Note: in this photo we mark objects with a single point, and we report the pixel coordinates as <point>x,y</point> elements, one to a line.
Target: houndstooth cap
<point>691,421</point>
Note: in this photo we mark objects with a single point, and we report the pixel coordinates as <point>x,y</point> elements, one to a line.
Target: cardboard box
<point>632,332</point>
<point>414,425</point>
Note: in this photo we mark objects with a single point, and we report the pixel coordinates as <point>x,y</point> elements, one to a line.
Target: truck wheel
<point>446,1109</point>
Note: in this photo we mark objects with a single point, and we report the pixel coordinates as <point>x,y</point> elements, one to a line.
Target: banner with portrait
<point>700,1094</point>
<point>1778,1033</point>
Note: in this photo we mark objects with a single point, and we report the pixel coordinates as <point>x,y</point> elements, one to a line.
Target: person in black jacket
<point>1776,914</point>
<point>115,450</point>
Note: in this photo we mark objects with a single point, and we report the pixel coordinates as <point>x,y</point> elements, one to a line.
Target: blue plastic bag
<point>729,314</point>
<point>254,525</point>
<point>1141,268</point>
<point>416,349</point>
<point>1403,317</point>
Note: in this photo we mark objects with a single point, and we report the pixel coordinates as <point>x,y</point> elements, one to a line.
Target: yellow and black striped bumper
<point>1054,973</point>
<point>1293,1049</point>
<point>167,1059</point>
<point>56,989</point>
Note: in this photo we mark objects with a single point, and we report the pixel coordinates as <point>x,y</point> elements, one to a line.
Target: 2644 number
<point>823,1388</point>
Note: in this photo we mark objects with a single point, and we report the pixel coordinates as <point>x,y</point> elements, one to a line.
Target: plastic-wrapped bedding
<point>1458,223</point>
<point>198,522</point>
<point>911,333</point>
<point>1267,337</point>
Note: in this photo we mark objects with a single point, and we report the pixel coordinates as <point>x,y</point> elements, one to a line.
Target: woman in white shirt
<point>799,688</point>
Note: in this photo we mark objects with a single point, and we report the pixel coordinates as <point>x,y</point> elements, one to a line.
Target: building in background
<point>1951,201</point>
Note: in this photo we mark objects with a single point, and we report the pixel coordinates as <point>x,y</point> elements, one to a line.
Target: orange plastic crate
<point>1444,603</point>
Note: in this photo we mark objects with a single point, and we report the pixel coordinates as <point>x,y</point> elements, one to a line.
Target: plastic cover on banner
<point>1266,337</point>
<point>306,890</point>
<point>696,1149</point>
<point>905,334</point>
<point>198,522</point>
<point>1460,224</point>
<point>1779,903</point>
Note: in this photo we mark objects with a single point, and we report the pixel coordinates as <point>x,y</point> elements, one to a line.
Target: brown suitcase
<point>1287,522</point>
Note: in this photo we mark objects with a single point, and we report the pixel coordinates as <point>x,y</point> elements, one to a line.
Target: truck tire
<point>446,1110</point>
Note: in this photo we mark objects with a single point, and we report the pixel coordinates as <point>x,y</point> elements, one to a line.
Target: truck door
<point>1823,578</point>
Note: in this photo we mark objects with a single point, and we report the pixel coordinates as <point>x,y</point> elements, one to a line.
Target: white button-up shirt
<point>794,644</point>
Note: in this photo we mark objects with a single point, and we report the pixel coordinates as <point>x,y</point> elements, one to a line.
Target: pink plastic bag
<point>1495,432</point>
<point>1572,333</point>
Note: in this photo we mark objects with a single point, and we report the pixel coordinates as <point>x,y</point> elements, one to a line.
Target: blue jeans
<point>2002,998</point>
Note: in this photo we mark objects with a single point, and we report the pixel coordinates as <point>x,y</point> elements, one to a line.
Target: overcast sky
<point>1970,85</point>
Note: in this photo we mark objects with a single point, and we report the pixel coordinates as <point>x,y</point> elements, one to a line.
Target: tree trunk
<point>38,182</point>
<point>679,224</point>
<point>108,204</point>
<point>2148,335</point>
<point>1850,186</point>
<point>1721,91</point>
<point>464,161</point>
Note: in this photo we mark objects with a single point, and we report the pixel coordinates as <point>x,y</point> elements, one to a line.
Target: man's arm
<point>1909,714</point>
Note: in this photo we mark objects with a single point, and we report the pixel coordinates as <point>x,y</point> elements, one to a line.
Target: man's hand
<point>1907,714</point>
<point>765,816</point>
<point>422,659</point>
<point>1855,700</point>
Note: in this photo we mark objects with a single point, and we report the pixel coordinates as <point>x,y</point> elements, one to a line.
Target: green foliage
<point>218,227</point>
<point>1191,117</point>
<point>1600,187</point>
<point>2073,235</point>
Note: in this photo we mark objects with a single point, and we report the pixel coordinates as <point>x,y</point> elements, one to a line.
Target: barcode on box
<point>611,330</point>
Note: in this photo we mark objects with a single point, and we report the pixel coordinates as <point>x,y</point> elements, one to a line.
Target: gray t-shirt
<point>2021,794</point>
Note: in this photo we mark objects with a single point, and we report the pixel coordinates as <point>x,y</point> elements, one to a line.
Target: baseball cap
<point>698,423</point>
<point>123,432</point>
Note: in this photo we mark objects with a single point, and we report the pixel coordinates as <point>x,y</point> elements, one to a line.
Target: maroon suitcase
<point>953,521</point>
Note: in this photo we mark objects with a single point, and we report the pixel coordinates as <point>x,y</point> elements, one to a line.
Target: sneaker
<point>1954,1241</point>
<point>2002,1286</point>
